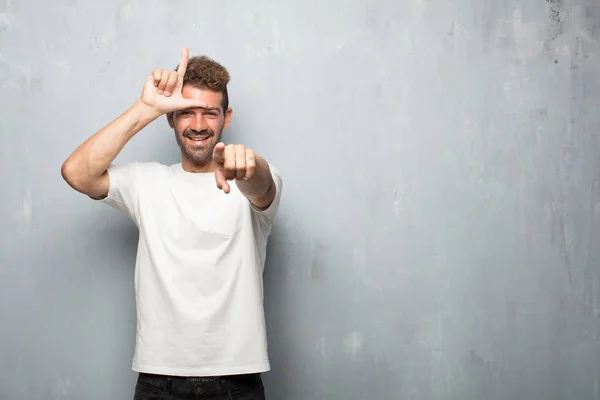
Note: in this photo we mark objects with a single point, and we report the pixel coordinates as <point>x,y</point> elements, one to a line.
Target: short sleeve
<point>123,189</point>
<point>267,217</point>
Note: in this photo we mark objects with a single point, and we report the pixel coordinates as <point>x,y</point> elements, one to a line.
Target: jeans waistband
<point>198,379</point>
<point>199,385</point>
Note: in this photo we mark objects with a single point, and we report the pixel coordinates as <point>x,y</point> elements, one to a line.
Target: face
<point>198,130</point>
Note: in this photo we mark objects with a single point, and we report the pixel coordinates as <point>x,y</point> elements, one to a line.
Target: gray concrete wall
<point>440,227</point>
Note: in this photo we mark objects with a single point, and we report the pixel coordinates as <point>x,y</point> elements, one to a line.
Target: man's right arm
<point>86,169</point>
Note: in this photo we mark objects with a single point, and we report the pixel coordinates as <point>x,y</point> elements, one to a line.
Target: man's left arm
<point>251,172</point>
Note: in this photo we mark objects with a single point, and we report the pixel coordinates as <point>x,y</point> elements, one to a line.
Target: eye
<point>185,112</point>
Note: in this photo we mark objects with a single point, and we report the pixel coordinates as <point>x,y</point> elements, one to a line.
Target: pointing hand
<point>233,161</point>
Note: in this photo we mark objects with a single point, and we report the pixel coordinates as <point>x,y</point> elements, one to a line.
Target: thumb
<point>219,153</point>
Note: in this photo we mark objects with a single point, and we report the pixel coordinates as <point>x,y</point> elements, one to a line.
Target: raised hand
<point>233,161</point>
<point>162,90</point>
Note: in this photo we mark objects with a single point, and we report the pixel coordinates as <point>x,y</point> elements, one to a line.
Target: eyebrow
<point>209,109</point>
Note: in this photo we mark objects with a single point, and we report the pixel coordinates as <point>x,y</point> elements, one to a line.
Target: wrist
<point>144,111</point>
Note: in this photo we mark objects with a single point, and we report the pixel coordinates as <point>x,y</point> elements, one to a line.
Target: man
<point>203,227</point>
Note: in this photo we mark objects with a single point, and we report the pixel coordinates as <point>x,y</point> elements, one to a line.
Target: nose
<point>199,123</point>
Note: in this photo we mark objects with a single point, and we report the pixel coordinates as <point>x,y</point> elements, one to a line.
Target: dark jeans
<point>235,387</point>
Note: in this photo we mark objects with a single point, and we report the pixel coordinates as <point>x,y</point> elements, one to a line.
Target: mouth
<point>201,139</point>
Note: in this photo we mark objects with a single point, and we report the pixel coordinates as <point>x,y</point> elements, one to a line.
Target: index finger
<point>219,153</point>
<point>185,55</point>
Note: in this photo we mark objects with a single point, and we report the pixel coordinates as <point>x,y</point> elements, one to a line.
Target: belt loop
<point>169,385</point>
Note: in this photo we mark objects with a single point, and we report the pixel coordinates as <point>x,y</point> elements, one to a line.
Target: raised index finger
<point>184,62</point>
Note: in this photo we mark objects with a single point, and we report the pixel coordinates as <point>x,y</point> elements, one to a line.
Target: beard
<point>198,153</point>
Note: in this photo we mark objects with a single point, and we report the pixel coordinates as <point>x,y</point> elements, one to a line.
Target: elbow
<point>78,179</point>
<point>68,172</point>
<point>65,171</point>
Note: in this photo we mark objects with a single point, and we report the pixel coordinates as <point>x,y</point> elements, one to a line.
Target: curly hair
<point>204,73</point>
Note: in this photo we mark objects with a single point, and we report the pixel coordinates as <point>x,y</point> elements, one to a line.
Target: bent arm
<point>86,169</point>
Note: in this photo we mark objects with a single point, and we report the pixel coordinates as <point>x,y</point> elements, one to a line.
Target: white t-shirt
<point>199,268</point>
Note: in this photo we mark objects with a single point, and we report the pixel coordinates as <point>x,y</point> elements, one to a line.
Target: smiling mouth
<point>198,139</point>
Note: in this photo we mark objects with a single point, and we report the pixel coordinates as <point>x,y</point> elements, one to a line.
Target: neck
<point>189,166</point>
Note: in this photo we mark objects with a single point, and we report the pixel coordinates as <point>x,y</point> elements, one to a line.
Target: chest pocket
<point>195,217</point>
<point>224,216</point>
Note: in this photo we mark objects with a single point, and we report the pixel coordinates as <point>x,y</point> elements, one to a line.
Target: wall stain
<point>562,238</point>
<point>555,21</point>
<point>476,359</point>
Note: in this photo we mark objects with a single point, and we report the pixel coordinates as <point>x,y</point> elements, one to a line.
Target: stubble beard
<point>198,155</point>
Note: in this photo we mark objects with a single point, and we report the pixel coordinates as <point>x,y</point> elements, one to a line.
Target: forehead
<point>210,97</point>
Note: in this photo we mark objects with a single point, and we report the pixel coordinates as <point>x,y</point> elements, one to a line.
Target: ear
<point>171,120</point>
<point>227,118</point>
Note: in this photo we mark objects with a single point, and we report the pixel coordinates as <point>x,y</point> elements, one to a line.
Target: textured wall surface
<point>439,236</point>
